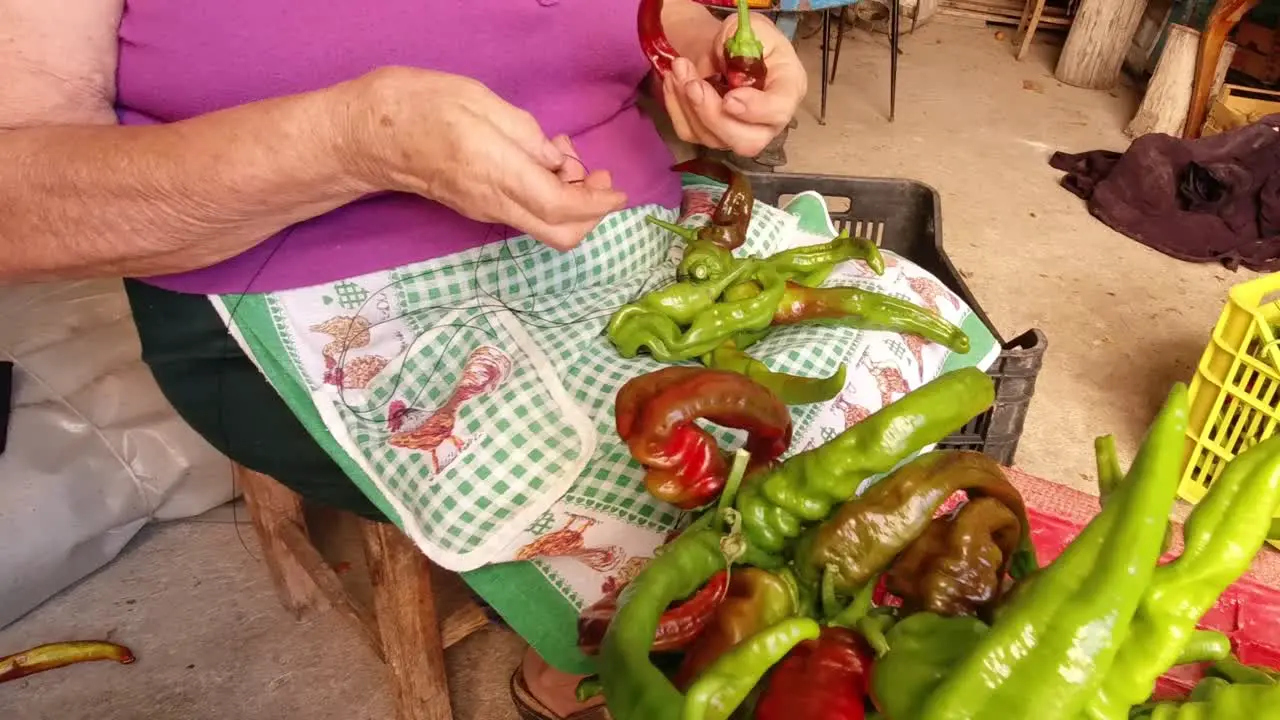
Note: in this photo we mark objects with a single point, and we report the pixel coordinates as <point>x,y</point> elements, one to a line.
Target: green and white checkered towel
<point>471,396</point>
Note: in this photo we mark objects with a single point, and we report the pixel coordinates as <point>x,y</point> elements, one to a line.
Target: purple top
<point>575,64</point>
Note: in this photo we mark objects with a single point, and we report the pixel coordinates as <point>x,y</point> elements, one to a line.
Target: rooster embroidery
<point>890,382</point>
<point>432,431</point>
<point>930,291</point>
<point>568,541</point>
<point>342,368</point>
<point>853,414</point>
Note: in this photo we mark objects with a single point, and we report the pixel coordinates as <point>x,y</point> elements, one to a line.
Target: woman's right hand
<point>451,139</point>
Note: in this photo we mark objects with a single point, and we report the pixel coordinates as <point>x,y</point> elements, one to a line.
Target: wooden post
<point>1164,106</point>
<point>1098,41</point>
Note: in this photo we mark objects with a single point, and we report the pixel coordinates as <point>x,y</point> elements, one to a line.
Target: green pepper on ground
<point>791,389</point>
<point>1056,641</point>
<point>864,535</point>
<point>778,504</point>
<point>958,565</point>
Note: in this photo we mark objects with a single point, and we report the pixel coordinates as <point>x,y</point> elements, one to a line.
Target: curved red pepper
<point>743,69</point>
<point>823,679</point>
<point>680,624</point>
<point>656,416</point>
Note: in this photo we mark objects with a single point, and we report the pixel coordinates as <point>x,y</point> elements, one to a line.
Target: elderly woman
<point>183,143</point>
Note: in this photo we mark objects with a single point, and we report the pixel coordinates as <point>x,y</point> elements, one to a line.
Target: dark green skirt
<point>220,393</point>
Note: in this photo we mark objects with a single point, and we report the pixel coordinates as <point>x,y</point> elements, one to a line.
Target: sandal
<point>531,709</point>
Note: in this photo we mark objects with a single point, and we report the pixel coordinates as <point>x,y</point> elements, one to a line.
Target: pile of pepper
<point>721,304</point>
<point>765,607</point>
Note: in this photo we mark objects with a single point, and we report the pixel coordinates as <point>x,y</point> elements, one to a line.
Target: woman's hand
<point>745,120</point>
<point>451,139</point>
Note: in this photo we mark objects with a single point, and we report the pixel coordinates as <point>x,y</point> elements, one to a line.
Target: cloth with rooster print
<point>471,397</point>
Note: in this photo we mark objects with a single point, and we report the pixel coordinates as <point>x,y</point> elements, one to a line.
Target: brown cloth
<point>1212,199</point>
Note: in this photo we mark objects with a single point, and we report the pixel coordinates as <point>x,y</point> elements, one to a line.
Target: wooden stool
<point>402,626</point>
<point>1032,11</point>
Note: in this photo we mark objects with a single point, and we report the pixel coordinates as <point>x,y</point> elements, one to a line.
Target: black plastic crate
<point>905,216</point>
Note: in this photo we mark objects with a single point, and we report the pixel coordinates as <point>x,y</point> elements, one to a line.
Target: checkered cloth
<point>471,396</point>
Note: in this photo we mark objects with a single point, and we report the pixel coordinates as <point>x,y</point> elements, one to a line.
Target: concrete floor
<point>1123,322</point>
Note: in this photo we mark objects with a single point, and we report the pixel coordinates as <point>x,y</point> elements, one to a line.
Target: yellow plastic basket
<point>1235,394</point>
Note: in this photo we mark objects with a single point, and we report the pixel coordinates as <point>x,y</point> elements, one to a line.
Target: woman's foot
<point>541,692</point>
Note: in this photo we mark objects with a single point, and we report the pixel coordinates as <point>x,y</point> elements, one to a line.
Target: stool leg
<point>276,511</point>
<point>1031,29</point>
<point>406,614</point>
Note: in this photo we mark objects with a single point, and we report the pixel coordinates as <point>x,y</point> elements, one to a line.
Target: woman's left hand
<point>745,120</point>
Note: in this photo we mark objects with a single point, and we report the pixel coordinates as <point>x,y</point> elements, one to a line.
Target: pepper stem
<point>744,43</point>
<point>689,234</point>
<point>731,484</point>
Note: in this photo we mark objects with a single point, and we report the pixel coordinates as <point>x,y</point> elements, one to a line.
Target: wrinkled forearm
<point>103,201</point>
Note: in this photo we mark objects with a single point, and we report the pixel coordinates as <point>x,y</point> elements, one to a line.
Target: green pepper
<point>634,688</point>
<point>633,328</point>
<point>790,389</point>
<point>704,261</point>
<point>1205,646</point>
<point>811,265</point>
<point>1054,643</point>
<point>683,301</point>
<point>1207,689</point>
<point>866,310</point>
<point>777,505</point>
<point>923,650</point>
<point>865,535</point>
<point>1236,672</point>
<point>1222,535</point>
<point>722,687</point>
<point>756,600</point>
<point>1230,702</point>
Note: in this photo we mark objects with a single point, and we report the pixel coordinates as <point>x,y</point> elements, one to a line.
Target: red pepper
<point>679,626</point>
<point>656,416</point>
<point>743,53</point>
<point>823,679</point>
<point>732,216</point>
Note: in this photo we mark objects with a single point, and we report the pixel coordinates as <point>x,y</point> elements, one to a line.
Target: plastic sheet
<point>94,451</point>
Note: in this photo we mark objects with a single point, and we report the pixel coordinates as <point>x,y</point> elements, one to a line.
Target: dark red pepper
<point>732,216</point>
<point>679,626</point>
<point>656,415</point>
<point>823,679</point>
<point>743,52</point>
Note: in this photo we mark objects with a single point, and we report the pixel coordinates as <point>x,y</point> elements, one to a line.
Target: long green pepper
<point>777,505</point>
<point>1046,654</point>
<point>633,687</point>
<point>1222,536</point>
<point>723,686</point>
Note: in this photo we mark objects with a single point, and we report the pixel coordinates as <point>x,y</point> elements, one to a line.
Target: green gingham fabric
<point>471,397</point>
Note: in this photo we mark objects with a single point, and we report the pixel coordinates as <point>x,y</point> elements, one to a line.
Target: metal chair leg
<point>835,62</point>
<point>826,38</point>
<point>895,12</point>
